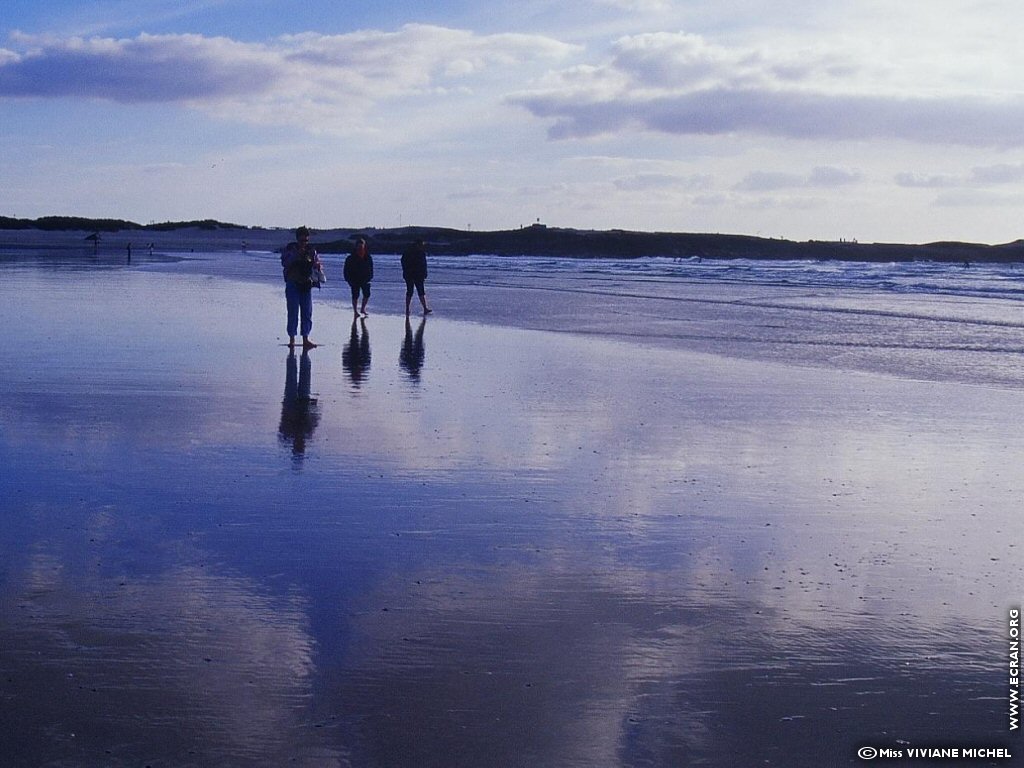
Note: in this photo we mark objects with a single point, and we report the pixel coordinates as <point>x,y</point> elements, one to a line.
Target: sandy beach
<point>565,521</point>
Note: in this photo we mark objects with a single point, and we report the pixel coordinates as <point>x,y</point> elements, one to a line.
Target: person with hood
<point>358,274</point>
<point>414,272</point>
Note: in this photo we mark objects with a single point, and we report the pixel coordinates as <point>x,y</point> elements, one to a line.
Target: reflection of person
<point>355,355</point>
<point>359,273</point>
<point>413,354</point>
<point>414,272</point>
<point>299,411</point>
<point>298,260</point>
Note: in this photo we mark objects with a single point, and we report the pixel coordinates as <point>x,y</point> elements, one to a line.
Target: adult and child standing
<point>298,261</point>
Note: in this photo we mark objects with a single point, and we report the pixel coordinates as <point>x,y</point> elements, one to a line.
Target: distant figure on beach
<point>129,253</point>
<point>355,355</point>
<point>413,353</point>
<point>299,412</point>
<point>358,274</point>
<point>298,260</point>
<point>414,272</point>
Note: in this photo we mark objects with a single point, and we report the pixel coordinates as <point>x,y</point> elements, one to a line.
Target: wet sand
<point>457,543</point>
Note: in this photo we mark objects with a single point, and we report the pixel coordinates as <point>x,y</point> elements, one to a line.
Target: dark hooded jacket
<point>358,271</point>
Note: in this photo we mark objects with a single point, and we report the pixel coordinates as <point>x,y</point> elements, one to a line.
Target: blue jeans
<point>300,301</point>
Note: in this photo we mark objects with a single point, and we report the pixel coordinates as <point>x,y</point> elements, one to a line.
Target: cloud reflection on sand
<point>549,549</point>
<point>816,468</point>
<point>558,668</point>
<point>200,666</point>
<point>642,444</point>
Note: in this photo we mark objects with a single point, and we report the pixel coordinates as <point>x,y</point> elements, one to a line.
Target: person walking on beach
<point>414,272</point>
<point>358,274</point>
<point>298,261</point>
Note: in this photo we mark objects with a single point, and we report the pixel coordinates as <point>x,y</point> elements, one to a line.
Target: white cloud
<point>927,181</point>
<point>822,177</point>
<point>149,68</point>
<point>677,83</point>
<point>318,81</point>
<point>651,182</point>
<point>764,181</point>
<point>662,128</point>
<point>1003,173</point>
<point>830,176</point>
<point>686,62</point>
<point>979,198</point>
<point>987,175</point>
<point>639,6</point>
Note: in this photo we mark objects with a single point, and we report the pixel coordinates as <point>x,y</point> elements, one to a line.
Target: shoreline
<point>536,240</point>
<point>918,336</point>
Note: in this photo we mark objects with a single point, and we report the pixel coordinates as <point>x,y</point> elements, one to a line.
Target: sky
<point>862,120</point>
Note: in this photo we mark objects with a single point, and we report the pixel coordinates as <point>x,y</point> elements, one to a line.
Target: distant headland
<point>534,240</point>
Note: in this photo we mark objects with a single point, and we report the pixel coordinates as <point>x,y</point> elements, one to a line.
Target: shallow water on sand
<point>446,543</point>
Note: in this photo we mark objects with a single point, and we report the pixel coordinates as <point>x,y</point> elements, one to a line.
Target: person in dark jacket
<point>414,272</point>
<point>358,274</point>
<point>298,261</point>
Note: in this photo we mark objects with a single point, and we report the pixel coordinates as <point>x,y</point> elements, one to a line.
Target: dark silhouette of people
<point>300,413</point>
<point>355,355</point>
<point>414,272</point>
<point>358,274</point>
<point>413,353</point>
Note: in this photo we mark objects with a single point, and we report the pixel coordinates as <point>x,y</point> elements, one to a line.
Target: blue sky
<point>866,120</point>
